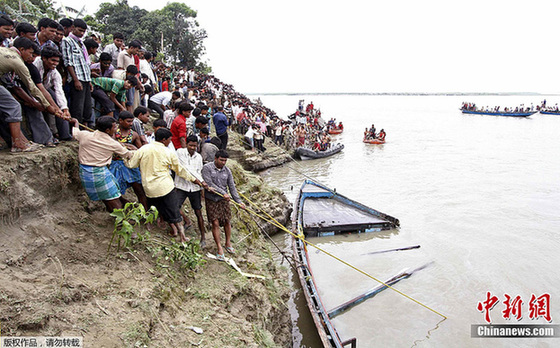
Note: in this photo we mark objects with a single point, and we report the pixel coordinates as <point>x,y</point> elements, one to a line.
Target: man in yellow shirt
<point>155,161</point>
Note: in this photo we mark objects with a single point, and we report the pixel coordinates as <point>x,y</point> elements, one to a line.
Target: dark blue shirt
<point>221,123</point>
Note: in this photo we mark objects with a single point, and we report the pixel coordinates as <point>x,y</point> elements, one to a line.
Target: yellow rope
<point>302,238</point>
<point>86,127</point>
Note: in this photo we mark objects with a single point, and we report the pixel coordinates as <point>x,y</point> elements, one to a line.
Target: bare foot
<point>183,238</point>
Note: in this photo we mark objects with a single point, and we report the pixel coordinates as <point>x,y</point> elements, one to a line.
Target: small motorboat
<point>335,131</point>
<point>374,141</point>
<point>306,153</point>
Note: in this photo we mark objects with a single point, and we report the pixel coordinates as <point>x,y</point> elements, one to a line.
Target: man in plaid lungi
<point>95,153</point>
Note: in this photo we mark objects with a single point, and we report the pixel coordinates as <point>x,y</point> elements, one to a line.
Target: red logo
<point>540,306</point>
<point>513,307</point>
<point>486,306</point>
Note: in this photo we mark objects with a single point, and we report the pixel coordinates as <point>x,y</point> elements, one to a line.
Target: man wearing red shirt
<point>182,125</point>
<point>165,84</point>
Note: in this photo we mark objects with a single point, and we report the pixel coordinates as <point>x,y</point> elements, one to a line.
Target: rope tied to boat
<point>301,237</point>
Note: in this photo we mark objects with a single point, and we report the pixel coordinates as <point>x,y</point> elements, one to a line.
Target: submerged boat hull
<point>320,211</point>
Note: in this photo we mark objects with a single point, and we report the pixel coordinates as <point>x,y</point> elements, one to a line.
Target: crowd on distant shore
<point>57,83</point>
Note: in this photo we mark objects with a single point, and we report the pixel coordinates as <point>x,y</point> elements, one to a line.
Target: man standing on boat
<point>219,178</point>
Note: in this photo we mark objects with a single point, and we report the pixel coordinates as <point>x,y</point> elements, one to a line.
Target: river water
<point>479,194</point>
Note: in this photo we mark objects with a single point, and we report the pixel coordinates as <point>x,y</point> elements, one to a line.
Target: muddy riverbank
<point>57,277</point>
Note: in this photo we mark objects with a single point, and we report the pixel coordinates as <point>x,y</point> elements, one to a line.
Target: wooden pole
<point>372,292</point>
<point>389,250</point>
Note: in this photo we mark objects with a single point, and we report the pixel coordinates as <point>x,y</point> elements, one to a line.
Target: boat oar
<point>372,292</point>
<point>389,250</point>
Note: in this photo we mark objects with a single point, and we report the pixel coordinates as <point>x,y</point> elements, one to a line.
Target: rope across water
<point>301,237</point>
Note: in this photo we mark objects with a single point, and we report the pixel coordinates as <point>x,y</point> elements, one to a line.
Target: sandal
<point>220,257</point>
<point>31,148</point>
<point>230,250</point>
<point>202,244</point>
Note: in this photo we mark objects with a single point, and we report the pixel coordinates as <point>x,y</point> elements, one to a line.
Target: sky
<point>378,46</point>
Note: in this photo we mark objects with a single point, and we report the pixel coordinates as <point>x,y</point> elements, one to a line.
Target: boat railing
<point>351,342</point>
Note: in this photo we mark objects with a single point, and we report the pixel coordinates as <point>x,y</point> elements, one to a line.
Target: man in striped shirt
<point>76,61</point>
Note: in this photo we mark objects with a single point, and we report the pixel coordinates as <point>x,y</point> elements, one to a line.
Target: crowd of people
<point>57,83</point>
<point>311,130</point>
<point>548,108</point>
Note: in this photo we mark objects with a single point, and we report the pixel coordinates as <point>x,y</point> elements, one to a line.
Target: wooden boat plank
<point>313,188</point>
<point>372,292</point>
<point>325,329</point>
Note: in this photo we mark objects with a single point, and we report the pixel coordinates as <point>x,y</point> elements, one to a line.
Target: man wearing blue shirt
<point>221,123</point>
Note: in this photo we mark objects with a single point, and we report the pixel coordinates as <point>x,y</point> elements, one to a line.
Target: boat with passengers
<point>306,153</point>
<point>520,111</point>
<point>549,112</point>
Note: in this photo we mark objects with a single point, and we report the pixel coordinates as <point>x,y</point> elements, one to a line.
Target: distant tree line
<point>172,30</point>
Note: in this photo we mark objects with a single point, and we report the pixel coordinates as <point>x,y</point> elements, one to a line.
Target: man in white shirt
<point>52,82</point>
<point>159,123</point>
<point>192,161</point>
<point>115,48</point>
<point>146,68</point>
<point>160,101</point>
<point>191,76</point>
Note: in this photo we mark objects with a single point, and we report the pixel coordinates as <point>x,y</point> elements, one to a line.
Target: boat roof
<point>331,213</point>
<point>324,212</point>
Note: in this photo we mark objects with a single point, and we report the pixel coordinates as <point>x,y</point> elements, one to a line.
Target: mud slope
<point>57,277</point>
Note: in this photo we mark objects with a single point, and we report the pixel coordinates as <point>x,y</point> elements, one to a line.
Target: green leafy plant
<point>186,255</point>
<point>127,219</point>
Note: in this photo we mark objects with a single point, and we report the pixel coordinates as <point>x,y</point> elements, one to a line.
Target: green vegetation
<point>127,233</point>
<point>172,30</point>
<point>30,10</point>
<point>126,219</point>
